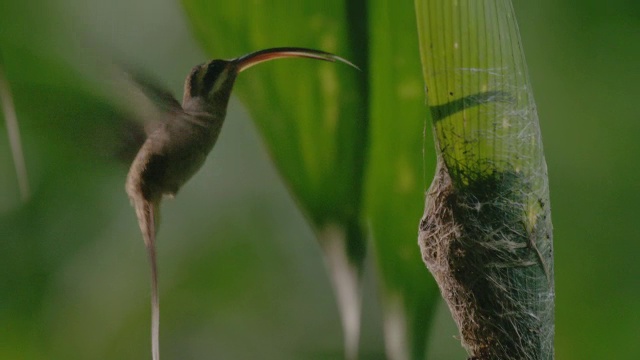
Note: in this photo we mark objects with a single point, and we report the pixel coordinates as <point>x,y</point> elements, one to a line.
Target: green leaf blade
<point>312,117</point>
<point>309,113</point>
<point>395,177</point>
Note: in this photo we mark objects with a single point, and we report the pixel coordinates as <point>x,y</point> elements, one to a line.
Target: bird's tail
<point>148,213</point>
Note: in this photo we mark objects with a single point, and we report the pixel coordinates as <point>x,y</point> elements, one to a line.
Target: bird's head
<point>209,85</point>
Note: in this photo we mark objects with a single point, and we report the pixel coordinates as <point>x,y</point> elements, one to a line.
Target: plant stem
<point>486,234</point>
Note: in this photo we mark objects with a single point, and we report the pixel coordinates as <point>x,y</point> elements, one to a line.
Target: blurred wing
<point>157,94</point>
<point>144,105</point>
<point>139,94</point>
<point>85,105</point>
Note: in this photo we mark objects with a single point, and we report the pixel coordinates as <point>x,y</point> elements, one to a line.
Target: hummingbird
<point>175,149</point>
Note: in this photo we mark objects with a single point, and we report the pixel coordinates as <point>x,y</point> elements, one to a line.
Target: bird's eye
<point>212,75</point>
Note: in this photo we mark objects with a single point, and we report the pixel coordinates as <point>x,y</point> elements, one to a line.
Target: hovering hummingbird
<point>176,148</point>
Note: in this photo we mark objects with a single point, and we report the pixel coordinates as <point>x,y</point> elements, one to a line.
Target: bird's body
<point>177,147</point>
<point>171,155</point>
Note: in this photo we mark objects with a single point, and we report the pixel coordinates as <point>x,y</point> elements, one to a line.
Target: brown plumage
<point>176,149</point>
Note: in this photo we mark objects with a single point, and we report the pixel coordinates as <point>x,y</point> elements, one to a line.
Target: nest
<point>492,262</point>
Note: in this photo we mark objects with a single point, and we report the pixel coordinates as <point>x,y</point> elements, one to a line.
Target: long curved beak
<point>244,62</point>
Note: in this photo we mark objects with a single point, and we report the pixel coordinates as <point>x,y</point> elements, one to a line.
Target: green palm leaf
<point>311,115</point>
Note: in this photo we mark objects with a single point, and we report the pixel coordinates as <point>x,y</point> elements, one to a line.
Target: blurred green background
<point>241,274</point>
